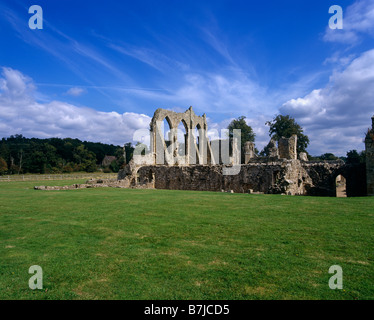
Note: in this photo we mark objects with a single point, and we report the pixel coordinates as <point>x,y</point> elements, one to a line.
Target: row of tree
<point>24,155</point>
<point>286,126</point>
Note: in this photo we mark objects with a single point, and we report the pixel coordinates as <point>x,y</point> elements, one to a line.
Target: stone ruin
<point>200,164</point>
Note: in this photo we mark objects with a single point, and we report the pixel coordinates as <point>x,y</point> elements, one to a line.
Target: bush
<point>3,166</point>
<point>107,170</point>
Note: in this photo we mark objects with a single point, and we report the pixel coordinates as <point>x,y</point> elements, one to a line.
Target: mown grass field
<point>158,244</point>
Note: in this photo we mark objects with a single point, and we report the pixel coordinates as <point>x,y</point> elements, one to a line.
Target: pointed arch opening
<point>182,138</point>
<point>341,186</point>
<point>166,130</point>
<point>196,134</point>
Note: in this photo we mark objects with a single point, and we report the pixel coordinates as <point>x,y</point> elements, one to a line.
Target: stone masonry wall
<point>287,147</point>
<point>292,177</point>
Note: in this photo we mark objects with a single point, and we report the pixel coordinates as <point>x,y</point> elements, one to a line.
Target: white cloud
<point>75,91</point>
<point>20,113</point>
<point>358,19</point>
<point>335,117</point>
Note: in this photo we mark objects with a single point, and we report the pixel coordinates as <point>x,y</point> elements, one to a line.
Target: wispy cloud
<point>75,91</point>
<point>152,58</point>
<point>218,45</point>
<point>77,57</point>
<point>358,21</point>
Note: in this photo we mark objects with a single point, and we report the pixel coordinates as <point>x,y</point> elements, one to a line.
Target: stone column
<point>287,148</point>
<point>249,151</point>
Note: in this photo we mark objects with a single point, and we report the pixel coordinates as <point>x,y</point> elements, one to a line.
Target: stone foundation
<point>292,177</point>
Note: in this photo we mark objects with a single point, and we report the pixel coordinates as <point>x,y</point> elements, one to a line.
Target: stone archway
<point>190,121</point>
<point>341,186</point>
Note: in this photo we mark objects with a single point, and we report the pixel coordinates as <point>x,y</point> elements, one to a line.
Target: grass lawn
<point>159,244</point>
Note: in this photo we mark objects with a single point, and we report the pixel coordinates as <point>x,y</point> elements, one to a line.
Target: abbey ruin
<point>189,160</point>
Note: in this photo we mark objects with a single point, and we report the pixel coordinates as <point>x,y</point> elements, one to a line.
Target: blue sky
<point>98,70</point>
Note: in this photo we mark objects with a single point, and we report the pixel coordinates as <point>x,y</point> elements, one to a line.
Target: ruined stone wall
<point>276,177</point>
<point>287,147</point>
<point>194,150</point>
<point>252,177</point>
<point>292,177</point>
<point>323,175</point>
<point>249,151</point>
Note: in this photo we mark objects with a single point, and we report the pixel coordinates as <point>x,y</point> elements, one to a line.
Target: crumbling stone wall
<point>287,147</point>
<point>323,175</point>
<point>196,150</point>
<point>252,177</point>
<point>249,151</point>
<point>292,177</point>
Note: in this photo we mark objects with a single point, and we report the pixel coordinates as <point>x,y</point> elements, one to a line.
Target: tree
<point>354,157</point>
<point>286,126</point>
<point>119,154</point>
<point>4,150</point>
<point>3,166</point>
<point>86,159</point>
<point>328,156</point>
<point>114,166</point>
<point>129,151</point>
<point>247,133</point>
<point>55,155</point>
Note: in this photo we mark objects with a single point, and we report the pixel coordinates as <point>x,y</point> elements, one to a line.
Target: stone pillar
<point>159,143</point>
<point>249,151</point>
<point>236,152</point>
<point>124,153</point>
<point>369,147</point>
<point>186,148</point>
<point>273,150</point>
<point>303,156</point>
<point>287,148</point>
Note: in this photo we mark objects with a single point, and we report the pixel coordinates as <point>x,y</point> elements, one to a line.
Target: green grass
<point>159,244</point>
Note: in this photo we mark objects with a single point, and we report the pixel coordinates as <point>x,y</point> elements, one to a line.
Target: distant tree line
<point>353,157</point>
<point>19,155</point>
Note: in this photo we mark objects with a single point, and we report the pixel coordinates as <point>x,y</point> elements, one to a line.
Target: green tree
<point>354,157</point>
<point>328,156</point>
<point>114,166</point>
<point>3,166</point>
<point>247,133</point>
<point>4,150</point>
<point>86,159</point>
<point>129,151</point>
<point>52,155</point>
<point>119,154</point>
<point>286,126</point>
